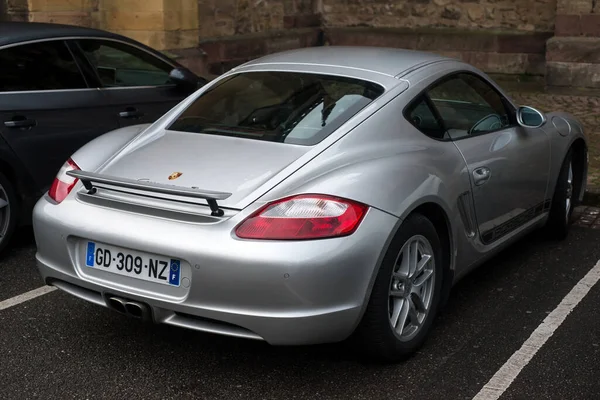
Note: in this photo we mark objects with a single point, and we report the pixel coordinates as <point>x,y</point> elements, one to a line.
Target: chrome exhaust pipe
<point>135,310</point>
<point>117,304</point>
<point>130,308</point>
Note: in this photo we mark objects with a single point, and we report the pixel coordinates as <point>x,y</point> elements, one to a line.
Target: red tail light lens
<point>63,183</point>
<point>303,217</point>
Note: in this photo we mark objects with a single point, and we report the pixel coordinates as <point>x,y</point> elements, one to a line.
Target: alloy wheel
<point>4,213</point>
<point>569,196</point>
<point>411,288</point>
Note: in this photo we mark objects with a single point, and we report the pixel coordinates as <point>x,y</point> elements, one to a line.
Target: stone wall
<point>556,38</point>
<point>77,12</point>
<point>573,55</point>
<point>219,18</point>
<point>519,15</point>
<point>491,51</point>
<point>235,31</point>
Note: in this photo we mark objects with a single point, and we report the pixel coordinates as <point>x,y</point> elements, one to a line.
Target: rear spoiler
<point>88,178</point>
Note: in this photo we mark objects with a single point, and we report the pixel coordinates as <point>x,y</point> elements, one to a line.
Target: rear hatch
<point>212,163</point>
<point>239,134</point>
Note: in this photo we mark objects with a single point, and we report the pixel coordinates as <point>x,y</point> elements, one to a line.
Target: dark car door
<point>136,81</point>
<point>47,109</point>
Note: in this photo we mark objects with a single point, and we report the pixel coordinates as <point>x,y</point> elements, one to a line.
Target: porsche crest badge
<point>174,175</point>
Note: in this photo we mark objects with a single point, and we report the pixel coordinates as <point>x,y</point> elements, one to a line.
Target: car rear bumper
<point>286,293</point>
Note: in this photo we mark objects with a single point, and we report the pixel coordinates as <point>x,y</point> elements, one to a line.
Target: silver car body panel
<point>308,291</point>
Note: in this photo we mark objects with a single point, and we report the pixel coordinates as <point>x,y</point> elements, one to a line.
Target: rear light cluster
<point>303,217</point>
<point>63,183</point>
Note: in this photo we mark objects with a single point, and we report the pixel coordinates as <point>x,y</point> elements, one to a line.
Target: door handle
<point>481,175</point>
<point>131,112</point>
<point>20,122</point>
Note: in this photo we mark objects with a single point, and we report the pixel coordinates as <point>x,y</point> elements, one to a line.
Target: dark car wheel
<point>406,293</point>
<point>8,212</point>
<point>562,201</point>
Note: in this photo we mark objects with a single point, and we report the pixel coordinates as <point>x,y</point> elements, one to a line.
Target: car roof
<point>17,32</point>
<point>382,60</point>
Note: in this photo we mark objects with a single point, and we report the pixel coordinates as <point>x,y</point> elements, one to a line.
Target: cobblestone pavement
<point>585,107</point>
<point>588,217</point>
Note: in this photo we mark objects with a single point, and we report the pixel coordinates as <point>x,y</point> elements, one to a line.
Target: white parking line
<point>511,369</point>
<point>22,298</point>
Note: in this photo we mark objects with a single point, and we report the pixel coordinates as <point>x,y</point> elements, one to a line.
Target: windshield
<point>286,107</point>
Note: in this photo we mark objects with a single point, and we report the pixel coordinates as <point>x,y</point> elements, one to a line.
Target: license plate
<point>148,267</point>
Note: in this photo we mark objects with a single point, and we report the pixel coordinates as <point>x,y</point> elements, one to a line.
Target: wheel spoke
<point>421,280</point>
<point>422,262</point>
<point>413,258</point>
<point>402,318</point>
<point>414,316</point>
<point>3,203</point>
<point>417,302</point>
<point>402,269</point>
<point>398,304</point>
<point>397,293</point>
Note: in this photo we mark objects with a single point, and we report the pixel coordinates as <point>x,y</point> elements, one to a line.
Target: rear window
<point>285,107</point>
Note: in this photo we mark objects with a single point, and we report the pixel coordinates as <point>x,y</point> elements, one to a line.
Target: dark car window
<point>424,119</point>
<point>287,107</point>
<point>469,106</point>
<point>39,66</point>
<point>118,64</point>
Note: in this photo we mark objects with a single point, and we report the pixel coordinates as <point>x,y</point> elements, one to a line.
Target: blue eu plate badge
<point>174,272</point>
<point>91,250</point>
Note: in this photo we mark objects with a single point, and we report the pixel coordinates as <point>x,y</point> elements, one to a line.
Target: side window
<point>469,106</point>
<point>39,66</point>
<point>118,64</point>
<point>424,119</point>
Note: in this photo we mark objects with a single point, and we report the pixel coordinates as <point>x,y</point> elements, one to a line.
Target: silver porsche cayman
<point>310,196</point>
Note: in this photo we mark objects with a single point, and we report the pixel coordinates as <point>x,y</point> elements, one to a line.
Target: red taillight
<point>303,217</point>
<point>63,183</point>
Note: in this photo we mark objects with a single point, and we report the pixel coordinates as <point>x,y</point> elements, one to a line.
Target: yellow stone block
<point>78,18</point>
<point>180,20</point>
<point>154,39</point>
<point>134,20</point>
<point>161,24</point>
<point>59,5</point>
<point>133,5</point>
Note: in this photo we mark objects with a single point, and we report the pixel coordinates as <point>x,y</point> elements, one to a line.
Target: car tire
<point>563,203</point>
<point>8,212</point>
<point>376,335</point>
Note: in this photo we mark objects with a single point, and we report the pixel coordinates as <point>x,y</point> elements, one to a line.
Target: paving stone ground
<point>587,216</point>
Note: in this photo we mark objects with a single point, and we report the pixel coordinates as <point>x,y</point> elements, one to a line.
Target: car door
<point>508,164</point>
<point>136,82</point>
<point>47,110</point>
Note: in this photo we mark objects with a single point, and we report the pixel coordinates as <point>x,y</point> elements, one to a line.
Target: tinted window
<point>424,119</point>
<point>286,107</point>
<point>469,106</point>
<point>39,66</point>
<point>119,64</point>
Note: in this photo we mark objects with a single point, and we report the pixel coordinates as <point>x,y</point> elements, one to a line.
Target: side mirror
<point>186,80</point>
<point>529,117</point>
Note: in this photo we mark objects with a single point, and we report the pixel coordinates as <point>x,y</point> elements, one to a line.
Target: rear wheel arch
<point>22,186</point>
<point>579,151</point>
<point>9,216</point>
<point>9,173</point>
<point>430,221</point>
<point>439,218</point>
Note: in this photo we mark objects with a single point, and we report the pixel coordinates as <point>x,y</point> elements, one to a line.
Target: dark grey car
<point>62,86</point>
